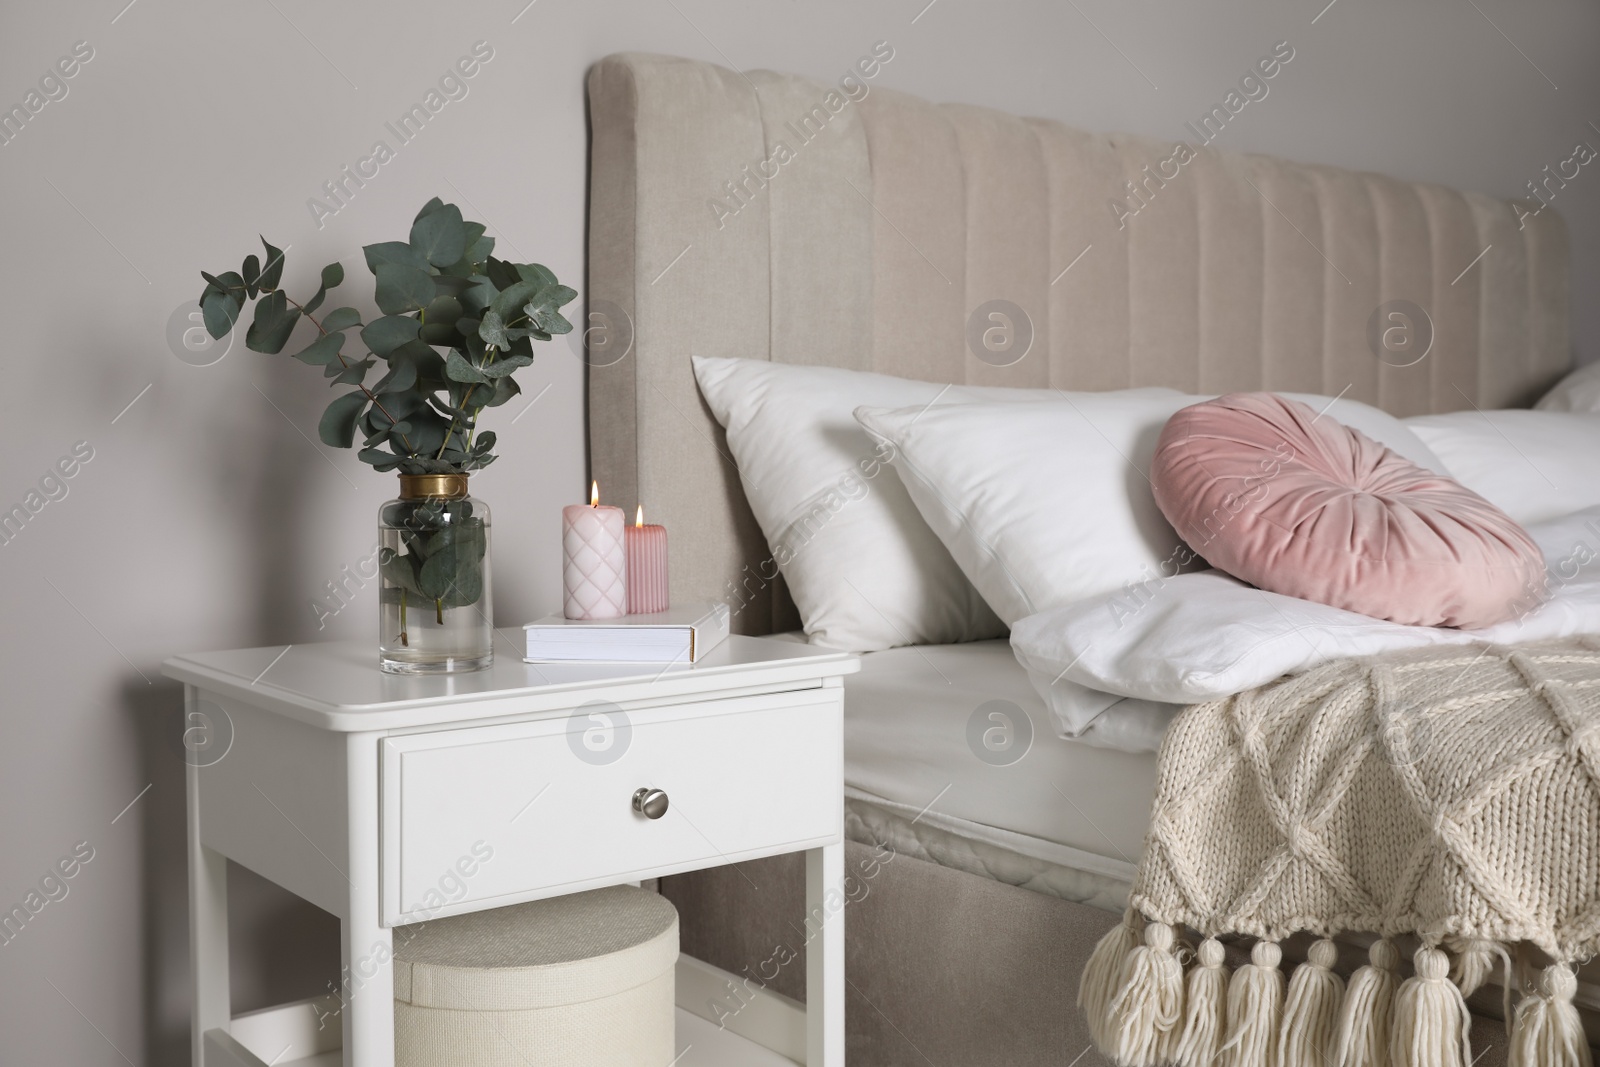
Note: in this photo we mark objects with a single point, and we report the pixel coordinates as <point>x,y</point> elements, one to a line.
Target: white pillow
<point>1049,503</point>
<point>1204,636</point>
<point>1533,465</point>
<point>862,565</point>
<point>1578,391</point>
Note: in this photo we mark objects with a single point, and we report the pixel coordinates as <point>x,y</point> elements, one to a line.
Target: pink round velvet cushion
<point>1266,490</point>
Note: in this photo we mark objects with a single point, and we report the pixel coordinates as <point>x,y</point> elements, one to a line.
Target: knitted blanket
<point>1448,794</point>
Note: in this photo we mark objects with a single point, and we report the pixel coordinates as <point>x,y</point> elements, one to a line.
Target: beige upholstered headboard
<point>767,216</point>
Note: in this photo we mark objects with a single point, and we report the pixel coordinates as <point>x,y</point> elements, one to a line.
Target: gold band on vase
<point>433,486</point>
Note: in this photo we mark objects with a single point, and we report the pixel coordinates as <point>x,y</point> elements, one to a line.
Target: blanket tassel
<point>1431,1024</point>
<point>1474,963</point>
<point>1548,1032</point>
<point>1102,976</point>
<point>1206,1018</point>
<point>1362,1038</point>
<point>1147,1010</point>
<point>1311,1010</point>
<point>1255,1005</point>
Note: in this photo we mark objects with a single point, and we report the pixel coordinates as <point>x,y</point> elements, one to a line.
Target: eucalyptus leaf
<point>493,330</point>
<point>402,376</point>
<point>460,370</point>
<point>442,571</point>
<point>252,275</point>
<point>323,351</point>
<point>429,364</point>
<point>401,288</point>
<point>505,365</point>
<point>332,275</point>
<point>381,461</point>
<point>274,322</point>
<point>543,309</point>
<point>467,587</point>
<point>433,204</point>
<point>272,268</point>
<point>355,373</point>
<point>511,299</point>
<point>338,424</point>
<point>479,245</point>
<point>480,296</point>
<point>444,408</point>
<point>439,235</point>
<point>341,319</point>
<point>427,431</point>
<point>504,389</point>
<point>393,252</point>
<point>384,335</point>
<point>397,569</point>
<point>537,273</point>
<point>501,273</point>
<point>451,285</point>
<point>220,311</point>
<point>442,310</point>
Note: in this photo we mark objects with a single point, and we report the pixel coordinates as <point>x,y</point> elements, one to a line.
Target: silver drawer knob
<point>651,803</point>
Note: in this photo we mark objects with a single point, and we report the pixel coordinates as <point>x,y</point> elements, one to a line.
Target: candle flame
<point>638,518</point>
<point>594,494</point>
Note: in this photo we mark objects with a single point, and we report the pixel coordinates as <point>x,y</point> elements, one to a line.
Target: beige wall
<point>206,518</point>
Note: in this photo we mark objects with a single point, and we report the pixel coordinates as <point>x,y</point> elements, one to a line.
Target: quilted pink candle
<point>647,566</point>
<point>594,563</point>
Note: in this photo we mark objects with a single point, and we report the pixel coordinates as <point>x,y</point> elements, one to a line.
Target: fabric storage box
<point>583,980</point>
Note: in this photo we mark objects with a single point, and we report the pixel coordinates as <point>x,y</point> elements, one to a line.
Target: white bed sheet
<point>911,749</point>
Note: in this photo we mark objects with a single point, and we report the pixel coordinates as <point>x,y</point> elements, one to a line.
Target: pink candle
<point>647,566</point>
<point>594,563</point>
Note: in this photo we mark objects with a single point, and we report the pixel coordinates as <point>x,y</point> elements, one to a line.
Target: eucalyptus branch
<point>446,281</point>
<point>370,395</point>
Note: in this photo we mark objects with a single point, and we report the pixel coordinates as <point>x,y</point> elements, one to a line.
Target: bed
<point>869,249</point>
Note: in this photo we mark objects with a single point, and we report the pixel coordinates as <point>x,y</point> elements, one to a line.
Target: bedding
<point>1080,713</point>
<point>1534,465</point>
<point>864,569</point>
<point>1443,794</point>
<point>1047,504</point>
<point>1578,391</point>
<point>1280,496</point>
<point>916,756</point>
<point>1205,636</point>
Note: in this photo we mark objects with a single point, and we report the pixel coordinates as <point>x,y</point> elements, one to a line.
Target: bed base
<point>944,968</point>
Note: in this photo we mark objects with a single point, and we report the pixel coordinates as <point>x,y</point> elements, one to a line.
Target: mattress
<point>951,756</point>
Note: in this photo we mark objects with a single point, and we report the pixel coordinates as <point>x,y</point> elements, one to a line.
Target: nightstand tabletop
<point>337,685</point>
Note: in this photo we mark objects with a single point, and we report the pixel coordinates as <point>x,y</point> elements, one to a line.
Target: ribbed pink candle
<point>647,567</point>
<point>594,562</point>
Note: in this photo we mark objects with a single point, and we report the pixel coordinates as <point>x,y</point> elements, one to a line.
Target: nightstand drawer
<point>495,815</point>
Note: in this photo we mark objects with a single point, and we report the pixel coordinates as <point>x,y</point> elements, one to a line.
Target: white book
<point>681,634</point>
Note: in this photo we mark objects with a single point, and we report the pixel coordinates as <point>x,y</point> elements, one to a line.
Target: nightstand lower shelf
<point>289,1035</point>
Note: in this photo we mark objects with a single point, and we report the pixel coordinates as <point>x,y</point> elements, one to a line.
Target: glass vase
<point>435,612</point>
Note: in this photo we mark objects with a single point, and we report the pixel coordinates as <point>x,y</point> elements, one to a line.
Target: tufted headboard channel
<point>766,216</point>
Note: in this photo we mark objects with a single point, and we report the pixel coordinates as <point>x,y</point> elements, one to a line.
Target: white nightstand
<point>376,797</point>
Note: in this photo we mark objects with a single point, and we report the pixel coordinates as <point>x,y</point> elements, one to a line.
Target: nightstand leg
<point>368,975</point>
<point>208,930</point>
<point>825,903</point>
